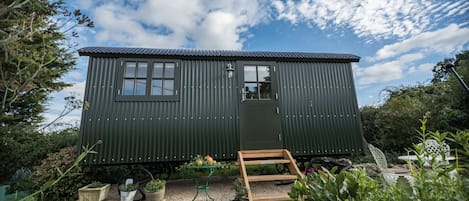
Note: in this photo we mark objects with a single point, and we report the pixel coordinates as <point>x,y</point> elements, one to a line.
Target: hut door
<point>259,113</point>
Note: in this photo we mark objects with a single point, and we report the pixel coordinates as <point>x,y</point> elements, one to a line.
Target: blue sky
<point>399,41</point>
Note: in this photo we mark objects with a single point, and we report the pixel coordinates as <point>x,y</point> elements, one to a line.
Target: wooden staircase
<point>261,157</point>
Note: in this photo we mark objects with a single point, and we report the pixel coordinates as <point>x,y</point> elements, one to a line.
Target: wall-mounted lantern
<point>229,69</point>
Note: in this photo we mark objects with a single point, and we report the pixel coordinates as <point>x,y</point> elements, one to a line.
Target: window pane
<point>142,70</point>
<point>250,91</point>
<point>263,73</point>
<point>128,89</point>
<point>250,74</point>
<point>140,87</point>
<point>158,70</point>
<point>156,86</point>
<point>264,89</point>
<point>129,69</point>
<point>169,70</point>
<point>168,87</point>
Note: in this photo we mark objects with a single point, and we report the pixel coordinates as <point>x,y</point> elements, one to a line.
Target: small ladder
<point>261,157</point>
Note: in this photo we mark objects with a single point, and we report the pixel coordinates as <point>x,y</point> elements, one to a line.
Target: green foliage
<point>346,185</point>
<point>23,146</point>
<point>444,102</point>
<point>52,167</point>
<point>96,184</point>
<point>241,191</point>
<point>435,183</point>
<point>155,185</point>
<point>54,182</point>
<point>128,187</point>
<point>461,139</point>
<point>34,54</point>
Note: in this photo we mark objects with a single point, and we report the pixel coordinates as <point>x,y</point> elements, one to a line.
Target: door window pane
<point>157,70</point>
<point>169,70</point>
<point>250,91</point>
<point>142,70</point>
<point>263,73</point>
<point>128,87</point>
<point>168,87</point>
<point>140,87</point>
<point>130,69</point>
<point>156,86</point>
<point>264,89</point>
<point>250,74</point>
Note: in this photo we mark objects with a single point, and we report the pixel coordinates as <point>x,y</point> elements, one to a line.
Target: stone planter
<point>93,194</point>
<point>155,196</point>
<point>128,195</point>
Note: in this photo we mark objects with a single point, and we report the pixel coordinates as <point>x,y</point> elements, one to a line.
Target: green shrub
<point>128,187</point>
<point>346,185</point>
<point>155,185</point>
<point>241,191</point>
<point>23,146</point>
<point>20,147</point>
<point>52,167</point>
<point>96,184</point>
<point>435,183</point>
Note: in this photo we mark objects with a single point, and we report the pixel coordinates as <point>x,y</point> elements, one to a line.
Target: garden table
<point>211,170</point>
<point>414,158</point>
<point>426,160</point>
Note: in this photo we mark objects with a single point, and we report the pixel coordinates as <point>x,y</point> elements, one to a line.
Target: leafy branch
<point>63,174</point>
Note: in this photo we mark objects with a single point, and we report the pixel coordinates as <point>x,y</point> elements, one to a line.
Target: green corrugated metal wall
<point>318,109</point>
<point>203,121</point>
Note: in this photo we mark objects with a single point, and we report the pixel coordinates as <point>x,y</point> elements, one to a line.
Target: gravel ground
<point>220,188</point>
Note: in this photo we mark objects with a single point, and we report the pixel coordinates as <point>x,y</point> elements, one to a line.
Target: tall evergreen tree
<point>35,52</point>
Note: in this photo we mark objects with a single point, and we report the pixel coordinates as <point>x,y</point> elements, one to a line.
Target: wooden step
<point>271,198</point>
<point>267,162</point>
<point>263,155</point>
<point>260,157</point>
<point>274,177</point>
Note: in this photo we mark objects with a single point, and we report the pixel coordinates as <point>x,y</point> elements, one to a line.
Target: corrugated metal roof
<point>92,51</point>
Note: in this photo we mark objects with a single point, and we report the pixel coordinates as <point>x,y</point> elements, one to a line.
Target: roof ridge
<point>192,52</point>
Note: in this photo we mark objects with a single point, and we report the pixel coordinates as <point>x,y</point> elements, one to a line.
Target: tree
<point>458,98</point>
<point>35,52</point>
<point>444,102</point>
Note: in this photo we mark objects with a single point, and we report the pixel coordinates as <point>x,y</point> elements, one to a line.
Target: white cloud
<point>378,19</point>
<point>445,40</point>
<point>75,75</point>
<point>77,89</point>
<point>177,23</point>
<point>387,71</point>
<point>426,67</point>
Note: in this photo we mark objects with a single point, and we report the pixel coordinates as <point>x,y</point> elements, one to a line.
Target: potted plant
<point>128,191</point>
<point>96,191</point>
<point>154,190</point>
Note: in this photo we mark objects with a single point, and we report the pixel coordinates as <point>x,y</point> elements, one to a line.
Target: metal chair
<point>435,150</point>
<point>390,175</point>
